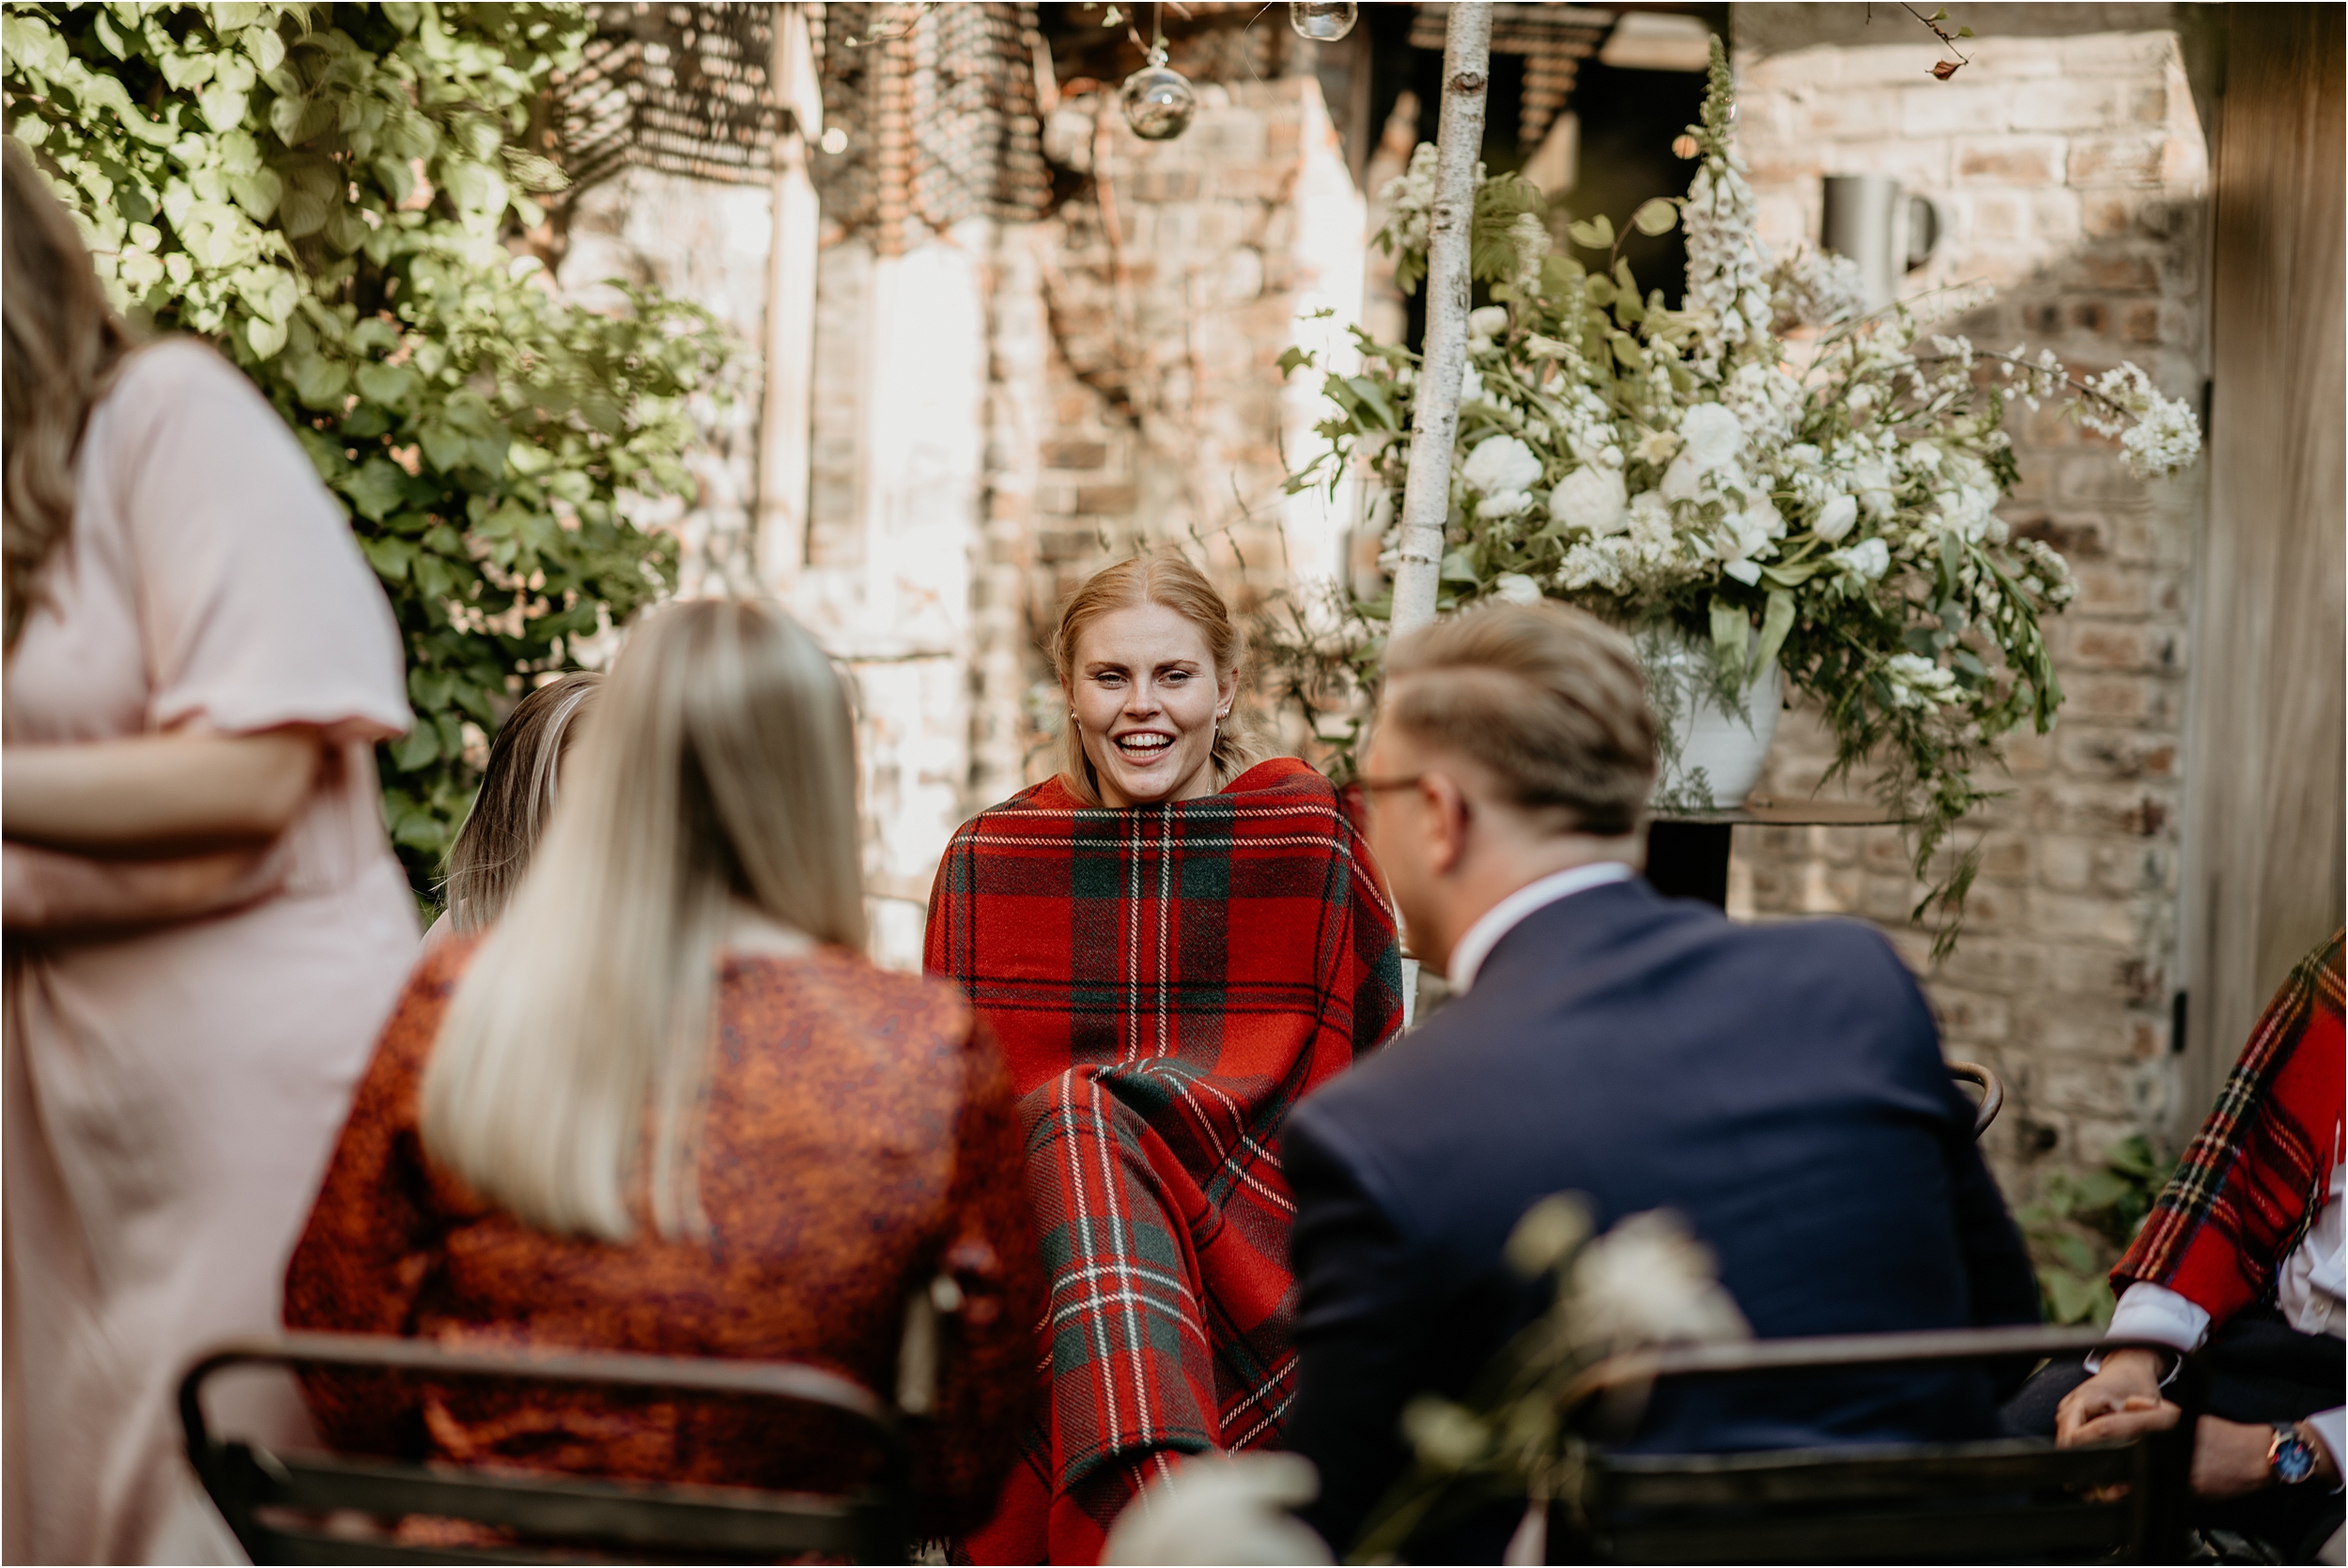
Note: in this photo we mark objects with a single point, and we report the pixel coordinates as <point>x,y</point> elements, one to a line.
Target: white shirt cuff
<point>2156,1313</point>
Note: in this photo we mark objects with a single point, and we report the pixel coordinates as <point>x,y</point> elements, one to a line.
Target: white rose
<point>1591,497</point>
<point>1500,466</point>
<point>1515,588</point>
<point>1835,519</point>
<point>1711,434</point>
<point>1487,322</point>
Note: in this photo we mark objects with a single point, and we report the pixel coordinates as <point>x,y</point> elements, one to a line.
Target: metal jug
<point>1887,233</point>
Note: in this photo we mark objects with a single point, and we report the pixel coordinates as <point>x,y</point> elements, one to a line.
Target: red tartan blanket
<point>1165,982</point>
<point>2254,1178</point>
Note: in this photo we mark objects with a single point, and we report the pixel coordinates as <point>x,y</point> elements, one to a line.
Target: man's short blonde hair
<point>1547,700</point>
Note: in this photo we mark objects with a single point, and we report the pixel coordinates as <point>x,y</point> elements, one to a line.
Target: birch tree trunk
<point>1435,409</point>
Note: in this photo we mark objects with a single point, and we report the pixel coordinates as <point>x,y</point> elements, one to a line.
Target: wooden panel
<point>2264,779</point>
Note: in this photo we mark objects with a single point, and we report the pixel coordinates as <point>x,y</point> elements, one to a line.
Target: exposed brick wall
<point>2073,172</point>
<point>1136,391</point>
<point>707,242</point>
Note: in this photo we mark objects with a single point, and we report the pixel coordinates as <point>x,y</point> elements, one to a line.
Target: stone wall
<point>2071,172</point>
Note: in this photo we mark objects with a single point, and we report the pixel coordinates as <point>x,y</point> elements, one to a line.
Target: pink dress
<point>171,1095</point>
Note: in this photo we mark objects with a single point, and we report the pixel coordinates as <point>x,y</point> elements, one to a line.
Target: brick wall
<point>2072,170</point>
<point>1136,396</point>
<point>707,242</point>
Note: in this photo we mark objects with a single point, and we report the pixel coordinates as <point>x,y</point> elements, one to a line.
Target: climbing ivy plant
<point>332,194</point>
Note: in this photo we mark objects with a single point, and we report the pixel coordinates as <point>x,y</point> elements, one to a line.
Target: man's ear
<point>1447,812</point>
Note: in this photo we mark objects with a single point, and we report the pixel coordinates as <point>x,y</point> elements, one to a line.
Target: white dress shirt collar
<point>1468,953</point>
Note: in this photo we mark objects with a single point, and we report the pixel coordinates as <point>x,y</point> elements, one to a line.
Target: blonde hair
<point>566,1080</point>
<point>1153,578</point>
<point>64,342</point>
<point>516,796</point>
<point>1548,699</point>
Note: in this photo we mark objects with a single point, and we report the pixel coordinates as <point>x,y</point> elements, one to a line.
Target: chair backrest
<point>2017,1500</point>
<point>1992,1093</point>
<point>277,1504</point>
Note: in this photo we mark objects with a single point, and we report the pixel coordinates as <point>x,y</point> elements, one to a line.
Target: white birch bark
<point>1435,409</point>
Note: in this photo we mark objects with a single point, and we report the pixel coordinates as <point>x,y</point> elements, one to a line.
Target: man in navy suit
<point>1781,1087</point>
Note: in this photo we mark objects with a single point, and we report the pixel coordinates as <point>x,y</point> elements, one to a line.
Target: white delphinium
<point>1503,471</point>
<point>1815,288</point>
<point>1410,202</point>
<point>1726,280</point>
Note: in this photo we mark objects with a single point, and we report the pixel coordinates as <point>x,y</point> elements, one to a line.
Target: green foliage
<point>326,192</point>
<point>2077,1231</point>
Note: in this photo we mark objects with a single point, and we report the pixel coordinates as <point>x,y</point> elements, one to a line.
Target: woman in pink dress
<point>205,927</point>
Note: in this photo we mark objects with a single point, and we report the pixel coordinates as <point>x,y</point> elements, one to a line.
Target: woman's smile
<point>1147,700</point>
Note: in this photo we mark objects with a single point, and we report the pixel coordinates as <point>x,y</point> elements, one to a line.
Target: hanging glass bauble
<point>1158,100</point>
<point>1323,20</point>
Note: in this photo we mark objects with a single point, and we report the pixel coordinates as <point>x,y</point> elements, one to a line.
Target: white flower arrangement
<point>1645,1281</point>
<point>1828,503</point>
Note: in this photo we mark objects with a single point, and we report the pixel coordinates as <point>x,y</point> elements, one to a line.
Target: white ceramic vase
<point>1710,743</point>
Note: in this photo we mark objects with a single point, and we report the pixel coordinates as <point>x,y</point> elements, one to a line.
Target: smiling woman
<point>1150,660</point>
<point>1174,941</point>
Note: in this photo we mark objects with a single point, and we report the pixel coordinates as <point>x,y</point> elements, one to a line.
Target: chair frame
<point>1948,1490</point>
<point>711,1523</point>
<point>1992,1093</point>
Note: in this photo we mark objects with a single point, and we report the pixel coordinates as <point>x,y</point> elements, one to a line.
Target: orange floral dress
<point>859,1139</point>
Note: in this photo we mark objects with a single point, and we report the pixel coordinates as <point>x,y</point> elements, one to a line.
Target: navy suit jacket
<point>1781,1086</point>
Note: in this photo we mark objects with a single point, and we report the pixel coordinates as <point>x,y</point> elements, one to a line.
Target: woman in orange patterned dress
<point>665,1107</point>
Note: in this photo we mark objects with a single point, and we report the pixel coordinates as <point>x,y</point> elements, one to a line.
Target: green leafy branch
<point>336,196</point>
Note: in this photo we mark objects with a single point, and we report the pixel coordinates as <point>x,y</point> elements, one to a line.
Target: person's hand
<point>2229,1457</point>
<point>2128,1384</point>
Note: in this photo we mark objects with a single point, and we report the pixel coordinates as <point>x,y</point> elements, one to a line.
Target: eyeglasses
<point>1353,796</point>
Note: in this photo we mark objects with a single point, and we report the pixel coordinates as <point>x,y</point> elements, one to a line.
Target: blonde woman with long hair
<point>1175,938</point>
<point>206,925</point>
<point>666,1106</point>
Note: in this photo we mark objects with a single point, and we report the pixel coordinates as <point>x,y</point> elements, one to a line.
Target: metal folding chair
<point>298,1506</point>
<point>2015,1500</point>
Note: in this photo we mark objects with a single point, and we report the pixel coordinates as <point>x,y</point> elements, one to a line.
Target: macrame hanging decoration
<point>1323,20</point>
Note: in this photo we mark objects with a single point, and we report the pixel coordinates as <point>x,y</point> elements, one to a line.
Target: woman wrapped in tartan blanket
<point>1174,942</point>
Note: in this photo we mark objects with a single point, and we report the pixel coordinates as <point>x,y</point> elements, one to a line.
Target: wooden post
<point>1435,409</point>
<point>783,434</point>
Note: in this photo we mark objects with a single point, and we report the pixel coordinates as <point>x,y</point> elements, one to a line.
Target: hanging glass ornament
<point>1158,100</point>
<point>1323,20</point>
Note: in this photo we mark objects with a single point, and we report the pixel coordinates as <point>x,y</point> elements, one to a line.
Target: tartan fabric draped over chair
<point>1167,982</point>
